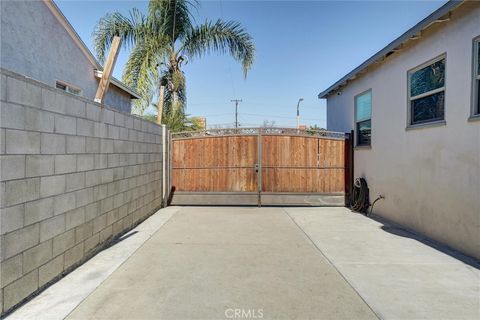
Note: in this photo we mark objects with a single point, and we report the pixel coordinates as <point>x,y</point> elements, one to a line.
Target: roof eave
<point>412,32</point>
<point>83,47</point>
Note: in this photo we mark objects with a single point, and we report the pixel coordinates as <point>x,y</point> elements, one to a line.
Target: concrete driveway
<point>271,263</point>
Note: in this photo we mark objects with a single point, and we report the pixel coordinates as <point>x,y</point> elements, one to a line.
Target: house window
<point>68,88</point>
<point>476,78</point>
<point>363,118</point>
<point>426,92</point>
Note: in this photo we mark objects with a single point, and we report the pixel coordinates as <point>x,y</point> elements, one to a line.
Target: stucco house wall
<point>430,176</point>
<point>35,44</point>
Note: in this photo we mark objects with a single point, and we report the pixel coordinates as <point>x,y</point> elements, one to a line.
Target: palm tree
<point>161,42</point>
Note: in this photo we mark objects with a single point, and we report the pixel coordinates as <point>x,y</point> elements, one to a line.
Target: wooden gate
<point>260,166</point>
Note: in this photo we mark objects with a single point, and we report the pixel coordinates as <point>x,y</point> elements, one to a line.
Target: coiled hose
<point>360,201</point>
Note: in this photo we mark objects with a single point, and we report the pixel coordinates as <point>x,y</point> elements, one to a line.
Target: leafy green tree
<point>161,42</point>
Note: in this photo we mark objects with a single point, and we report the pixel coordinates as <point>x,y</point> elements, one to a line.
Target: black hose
<point>360,201</point>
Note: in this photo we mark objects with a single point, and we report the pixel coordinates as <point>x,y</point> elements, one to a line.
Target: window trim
<point>474,112</point>
<point>68,85</point>
<point>355,122</point>
<point>443,89</point>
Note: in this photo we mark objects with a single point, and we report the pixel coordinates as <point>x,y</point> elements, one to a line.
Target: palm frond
<point>221,37</point>
<point>172,14</point>
<point>129,29</point>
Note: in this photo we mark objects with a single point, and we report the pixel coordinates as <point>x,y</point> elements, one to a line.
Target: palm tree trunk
<point>175,101</point>
<point>160,104</point>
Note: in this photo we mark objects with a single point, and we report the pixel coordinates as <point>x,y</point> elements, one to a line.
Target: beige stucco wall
<point>430,177</point>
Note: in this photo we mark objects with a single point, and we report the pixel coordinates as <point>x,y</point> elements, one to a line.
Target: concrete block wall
<point>73,174</point>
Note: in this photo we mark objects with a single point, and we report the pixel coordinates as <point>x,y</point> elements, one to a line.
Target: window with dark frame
<point>67,88</point>
<point>427,92</point>
<point>363,118</point>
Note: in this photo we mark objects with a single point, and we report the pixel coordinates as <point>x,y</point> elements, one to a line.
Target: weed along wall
<point>73,175</point>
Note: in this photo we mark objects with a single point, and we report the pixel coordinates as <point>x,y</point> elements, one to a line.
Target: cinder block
<point>22,142</point>
<point>128,121</point>
<point>84,197</point>
<point>83,231</point>
<point>2,141</point>
<point>100,130</point>
<point>65,124</point>
<point>12,116</point>
<point>108,116</point>
<point>85,127</point>
<point>50,270</point>
<point>63,203</point>
<point>118,173</point>
<point>52,185</point>
<point>20,240</point>
<point>119,119</point>
<point>100,192</point>
<point>107,175</point>
<point>38,210</point>
<point>53,101</point>
<point>112,217</point>
<point>93,112</point>
<point>3,87</point>
<point>106,233</point>
<point>74,255</point>
<point>63,242</point>
<point>21,92</point>
<point>99,223</point>
<point>113,132</point>
<point>75,181</point>
<point>92,178</point>
<point>92,242</point>
<point>106,205</point>
<point>123,134</point>
<point>18,191</point>
<point>85,162</point>
<point>75,144</point>
<point>137,124</point>
<point>65,163</point>
<point>117,227</point>
<point>11,269</point>
<point>75,218</point>
<point>39,120</point>
<point>53,143</point>
<point>38,165</point>
<point>92,145</point>
<point>118,200</point>
<point>113,160</point>
<point>52,227</point>
<point>12,167</point>
<point>74,106</point>
<point>100,161</point>
<point>12,218</point>
<point>106,146</point>
<point>20,289</point>
<point>91,211</point>
<point>36,256</point>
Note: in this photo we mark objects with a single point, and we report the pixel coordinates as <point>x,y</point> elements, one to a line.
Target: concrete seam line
<point>121,264</point>
<point>332,264</point>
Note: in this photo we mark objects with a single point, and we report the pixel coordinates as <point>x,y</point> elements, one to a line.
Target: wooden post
<point>160,104</point>
<point>108,69</point>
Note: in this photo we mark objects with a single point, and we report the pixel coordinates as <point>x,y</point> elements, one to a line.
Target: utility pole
<point>298,112</point>
<point>236,110</point>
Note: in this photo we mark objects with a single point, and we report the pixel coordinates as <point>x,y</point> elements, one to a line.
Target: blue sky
<point>302,47</point>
